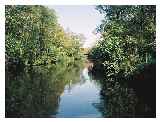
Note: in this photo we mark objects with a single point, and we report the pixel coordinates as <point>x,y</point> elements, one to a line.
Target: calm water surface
<point>53,91</point>
<point>68,91</point>
<point>79,100</point>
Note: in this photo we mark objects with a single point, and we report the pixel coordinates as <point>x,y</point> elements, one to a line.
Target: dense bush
<point>126,55</point>
<point>34,37</point>
<point>128,39</point>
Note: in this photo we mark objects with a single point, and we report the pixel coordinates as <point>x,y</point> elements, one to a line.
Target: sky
<point>80,20</point>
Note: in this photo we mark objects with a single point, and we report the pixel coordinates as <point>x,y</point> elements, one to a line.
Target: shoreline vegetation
<point>126,54</point>
<point>34,37</point>
<point>123,61</point>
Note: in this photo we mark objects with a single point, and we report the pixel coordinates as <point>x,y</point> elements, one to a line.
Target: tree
<point>34,37</point>
<point>128,38</point>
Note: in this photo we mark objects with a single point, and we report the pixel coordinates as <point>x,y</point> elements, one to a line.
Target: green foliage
<point>128,39</point>
<point>34,37</point>
<point>126,52</point>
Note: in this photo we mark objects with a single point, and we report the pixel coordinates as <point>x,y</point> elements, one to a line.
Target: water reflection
<point>62,91</point>
<point>51,91</point>
<point>79,100</point>
<point>85,75</point>
<point>118,100</point>
<point>36,92</point>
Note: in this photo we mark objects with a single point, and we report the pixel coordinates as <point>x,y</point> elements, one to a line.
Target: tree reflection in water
<point>36,92</point>
<point>118,100</point>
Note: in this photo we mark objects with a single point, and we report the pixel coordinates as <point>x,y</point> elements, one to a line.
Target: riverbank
<point>134,96</point>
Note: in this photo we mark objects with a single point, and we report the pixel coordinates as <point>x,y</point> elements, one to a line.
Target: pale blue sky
<point>79,19</point>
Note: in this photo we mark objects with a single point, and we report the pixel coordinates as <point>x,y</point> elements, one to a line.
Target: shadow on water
<point>135,97</point>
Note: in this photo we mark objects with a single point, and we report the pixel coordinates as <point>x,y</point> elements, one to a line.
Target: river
<point>53,91</point>
<point>79,100</point>
<point>63,91</point>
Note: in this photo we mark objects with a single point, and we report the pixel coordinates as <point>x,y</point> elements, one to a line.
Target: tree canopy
<point>34,36</point>
<point>128,38</point>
